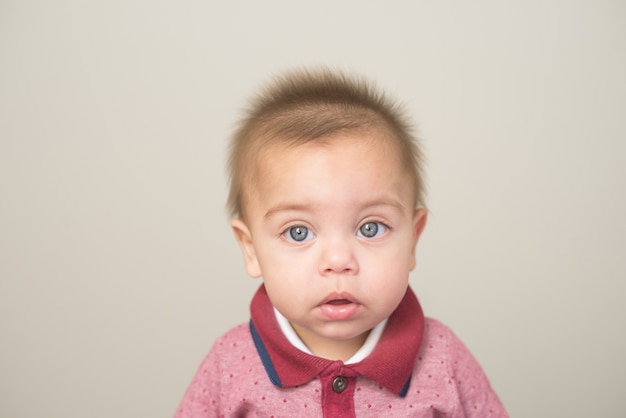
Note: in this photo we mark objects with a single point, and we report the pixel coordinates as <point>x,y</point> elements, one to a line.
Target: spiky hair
<point>307,105</point>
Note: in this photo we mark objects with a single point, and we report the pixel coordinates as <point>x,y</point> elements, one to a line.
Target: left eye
<point>372,229</point>
<point>298,233</point>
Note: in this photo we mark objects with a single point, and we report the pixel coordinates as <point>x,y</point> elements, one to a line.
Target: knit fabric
<point>441,377</point>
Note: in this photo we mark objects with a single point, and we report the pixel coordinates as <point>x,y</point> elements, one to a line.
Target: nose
<point>338,257</point>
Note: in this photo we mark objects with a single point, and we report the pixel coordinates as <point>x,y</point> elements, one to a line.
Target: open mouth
<point>339,298</point>
<point>340,306</point>
<point>339,302</point>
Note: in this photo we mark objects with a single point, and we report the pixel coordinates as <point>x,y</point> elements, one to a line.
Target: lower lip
<point>338,312</point>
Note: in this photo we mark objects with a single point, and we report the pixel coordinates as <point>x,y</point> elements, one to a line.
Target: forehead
<point>356,157</point>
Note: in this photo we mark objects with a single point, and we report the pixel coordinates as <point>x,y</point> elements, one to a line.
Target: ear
<point>419,223</point>
<point>244,238</point>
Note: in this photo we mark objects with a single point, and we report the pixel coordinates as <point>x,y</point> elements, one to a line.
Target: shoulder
<point>228,353</point>
<point>433,325</point>
<point>217,384</point>
<point>439,338</point>
<point>444,354</point>
<point>234,339</point>
<point>441,345</point>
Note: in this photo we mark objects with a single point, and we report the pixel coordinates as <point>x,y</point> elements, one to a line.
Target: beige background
<point>117,266</point>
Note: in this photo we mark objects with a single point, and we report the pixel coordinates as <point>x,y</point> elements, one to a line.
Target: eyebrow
<point>304,207</point>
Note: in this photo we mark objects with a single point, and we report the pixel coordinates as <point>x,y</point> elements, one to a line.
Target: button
<point>340,384</point>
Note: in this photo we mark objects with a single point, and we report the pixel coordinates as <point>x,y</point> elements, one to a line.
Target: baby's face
<point>332,230</point>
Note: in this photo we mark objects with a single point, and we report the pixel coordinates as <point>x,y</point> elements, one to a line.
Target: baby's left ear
<point>244,238</point>
<point>419,223</point>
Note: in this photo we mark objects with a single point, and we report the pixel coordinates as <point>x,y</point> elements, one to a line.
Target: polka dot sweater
<point>238,378</point>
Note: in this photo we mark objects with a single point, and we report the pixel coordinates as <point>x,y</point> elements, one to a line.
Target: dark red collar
<point>390,364</point>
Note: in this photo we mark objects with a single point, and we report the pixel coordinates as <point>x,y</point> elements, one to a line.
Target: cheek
<point>286,273</point>
<point>389,283</point>
<point>279,261</point>
<point>397,257</point>
<point>388,271</point>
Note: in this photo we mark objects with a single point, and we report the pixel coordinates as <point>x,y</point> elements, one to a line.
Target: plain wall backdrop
<point>117,265</point>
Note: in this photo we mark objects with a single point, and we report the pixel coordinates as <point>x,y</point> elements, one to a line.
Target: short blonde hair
<point>307,105</point>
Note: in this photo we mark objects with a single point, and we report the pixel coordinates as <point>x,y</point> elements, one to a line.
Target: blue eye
<point>372,229</point>
<point>298,233</point>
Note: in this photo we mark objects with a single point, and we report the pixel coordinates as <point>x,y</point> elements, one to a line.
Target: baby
<point>327,204</point>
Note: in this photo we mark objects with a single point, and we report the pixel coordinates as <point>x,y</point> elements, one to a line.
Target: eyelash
<point>286,234</point>
<point>377,232</point>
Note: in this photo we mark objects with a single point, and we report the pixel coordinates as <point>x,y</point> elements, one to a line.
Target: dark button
<point>340,384</point>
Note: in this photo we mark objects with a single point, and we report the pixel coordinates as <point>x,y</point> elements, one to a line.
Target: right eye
<point>298,233</point>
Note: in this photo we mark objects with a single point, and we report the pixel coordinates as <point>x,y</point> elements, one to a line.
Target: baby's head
<point>326,198</point>
<point>313,106</point>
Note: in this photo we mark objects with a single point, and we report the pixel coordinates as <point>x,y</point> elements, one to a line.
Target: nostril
<point>343,270</point>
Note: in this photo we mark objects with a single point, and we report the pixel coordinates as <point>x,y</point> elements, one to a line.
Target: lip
<point>339,306</point>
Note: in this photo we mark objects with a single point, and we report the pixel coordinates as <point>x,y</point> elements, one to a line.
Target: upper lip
<point>339,296</point>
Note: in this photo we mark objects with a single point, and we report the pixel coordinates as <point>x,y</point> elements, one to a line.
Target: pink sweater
<point>419,368</point>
